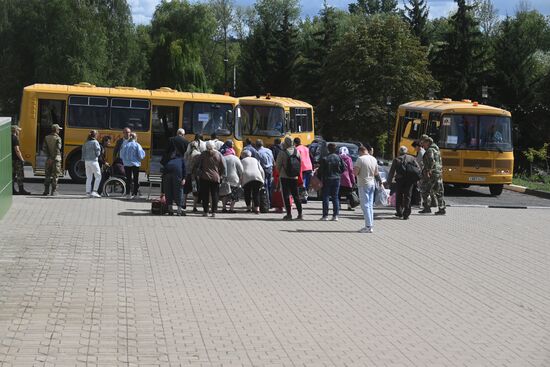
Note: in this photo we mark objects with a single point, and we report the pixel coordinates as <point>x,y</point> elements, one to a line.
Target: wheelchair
<point>114,186</point>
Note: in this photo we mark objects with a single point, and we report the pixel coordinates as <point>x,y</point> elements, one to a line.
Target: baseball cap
<point>56,126</point>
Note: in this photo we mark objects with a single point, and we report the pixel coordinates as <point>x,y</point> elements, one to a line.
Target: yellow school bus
<point>268,117</point>
<point>475,140</point>
<point>155,115</point>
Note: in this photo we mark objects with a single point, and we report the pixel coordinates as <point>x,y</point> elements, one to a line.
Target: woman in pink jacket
<point>307,167</point>
<point>347,179</point>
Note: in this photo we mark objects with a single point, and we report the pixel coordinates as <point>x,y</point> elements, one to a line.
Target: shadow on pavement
<point>255,218</point>
<point>62,197</point>
<point>133,214</point>
<point>317,231</point>
<point>461,192</point>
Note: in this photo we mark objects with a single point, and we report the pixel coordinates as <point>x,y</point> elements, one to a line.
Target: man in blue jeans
<point>330,170</point>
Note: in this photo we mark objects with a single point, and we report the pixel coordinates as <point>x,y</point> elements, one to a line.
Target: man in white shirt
<point>366,170</point>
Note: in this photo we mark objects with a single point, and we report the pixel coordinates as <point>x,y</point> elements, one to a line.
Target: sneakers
<point>335,218</point>
<point>299,217</point>
<point>324,218</point>
<point>440,212</point>
<point>95,195</point>
<point>425,211</point>
<point>89,194</point>
<point>398,215</point>
<point>287,217</point>
<point>366,230</point>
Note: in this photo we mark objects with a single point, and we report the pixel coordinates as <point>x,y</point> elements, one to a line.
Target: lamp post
<point>388,106</point>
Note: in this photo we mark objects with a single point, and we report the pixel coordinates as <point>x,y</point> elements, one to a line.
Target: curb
<point>525,190</point>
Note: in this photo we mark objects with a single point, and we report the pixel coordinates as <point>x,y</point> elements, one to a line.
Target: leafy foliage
<point>416,14</point>
<point>376,59</point>
<point>460,61</point>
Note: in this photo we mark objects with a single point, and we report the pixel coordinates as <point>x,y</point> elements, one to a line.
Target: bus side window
<point>187,117</point>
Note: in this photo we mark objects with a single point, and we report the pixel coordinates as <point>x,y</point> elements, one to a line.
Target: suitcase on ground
<point>159,207</point>
<point>264,201</point>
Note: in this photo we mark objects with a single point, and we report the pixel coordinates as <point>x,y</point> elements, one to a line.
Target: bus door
<point>408,129</point>
<point>432,127</point>
<point>50,111</point>
<point>165,122</point>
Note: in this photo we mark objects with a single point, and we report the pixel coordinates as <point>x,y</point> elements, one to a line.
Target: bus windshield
<point>207,118</point>
<point>263,120</point>
<point>474,132</point>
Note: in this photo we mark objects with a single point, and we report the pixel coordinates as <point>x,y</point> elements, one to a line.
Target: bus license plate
<point>476,178</point>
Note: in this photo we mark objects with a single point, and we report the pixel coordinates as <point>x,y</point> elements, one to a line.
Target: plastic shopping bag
<point>382,196</point>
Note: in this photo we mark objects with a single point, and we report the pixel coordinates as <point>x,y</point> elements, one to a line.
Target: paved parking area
<point>102,282</point>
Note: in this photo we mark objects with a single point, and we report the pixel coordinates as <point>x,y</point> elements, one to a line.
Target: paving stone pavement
<point>87,282</point>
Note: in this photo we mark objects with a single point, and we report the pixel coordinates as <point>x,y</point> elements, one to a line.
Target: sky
<point>142,10</point>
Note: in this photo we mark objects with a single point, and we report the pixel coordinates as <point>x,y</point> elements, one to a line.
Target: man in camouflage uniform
<point>52,148</point>
<point>432,176</point>
<point>18,162</point>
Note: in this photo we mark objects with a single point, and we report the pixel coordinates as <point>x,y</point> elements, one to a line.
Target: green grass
<point>531,184</point>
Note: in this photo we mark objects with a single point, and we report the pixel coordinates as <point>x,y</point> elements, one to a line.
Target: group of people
<point>421,174</point>
<point>210,171</point>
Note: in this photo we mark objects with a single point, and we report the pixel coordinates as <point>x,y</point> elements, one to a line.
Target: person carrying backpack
<point>406,172</point>
<point>289,165</point>
<point>330,170</point>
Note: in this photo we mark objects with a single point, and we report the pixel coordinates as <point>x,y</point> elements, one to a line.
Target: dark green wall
<point>5,165</point>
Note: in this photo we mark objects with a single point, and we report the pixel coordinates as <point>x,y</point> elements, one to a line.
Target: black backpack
<point>409,171</point>
<point>293,165</point>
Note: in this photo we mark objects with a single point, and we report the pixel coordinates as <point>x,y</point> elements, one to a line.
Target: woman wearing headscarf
<point>191,181</point>
<point>234,170</point>
<point>252,177</point>
<point>211,169</point>
<point>347,178</point>
<point>174,180</point>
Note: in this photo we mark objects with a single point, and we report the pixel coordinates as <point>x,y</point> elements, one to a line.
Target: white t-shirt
<point>366,166</point>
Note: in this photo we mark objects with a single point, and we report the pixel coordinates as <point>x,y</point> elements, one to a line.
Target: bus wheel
<point>77,169</point>
<point>496,190</point>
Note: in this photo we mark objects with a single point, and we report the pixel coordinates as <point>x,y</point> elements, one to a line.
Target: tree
<point>521,76</point>
<point>370,7</point>
<point>269,52</point>
<point>65,42</point>
<point>377,58</point>
<point>180,31</point>
<point>317,38</point>
<point>487,15</point>
<point>416,14</point>
<point>460,61</point>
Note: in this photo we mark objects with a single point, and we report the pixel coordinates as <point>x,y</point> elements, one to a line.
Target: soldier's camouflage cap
<point>15,128</point>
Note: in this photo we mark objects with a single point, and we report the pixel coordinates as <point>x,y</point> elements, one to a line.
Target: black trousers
<point>132,179</point>
<point>209,189</point>
<point>252,191</point>
<point>290,187</point>
<point>403,198</point>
